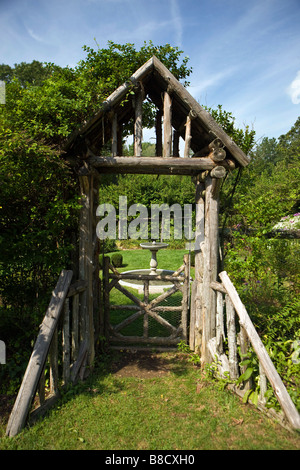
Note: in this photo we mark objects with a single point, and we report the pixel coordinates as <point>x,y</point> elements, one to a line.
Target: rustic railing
<point>247,334</point>
<point>61,321</point>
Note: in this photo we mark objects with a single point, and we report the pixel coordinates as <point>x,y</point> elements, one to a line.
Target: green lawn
<point>140,259</point>
<point>178,410</point>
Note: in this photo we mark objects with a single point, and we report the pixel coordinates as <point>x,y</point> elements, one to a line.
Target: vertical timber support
<point>185,302</point>
<point>210,265</point>
<point>188,136</point>
<point>158,132</point>
<point>97,304</point>
<point>86,258</point>
<point>114,140</point>
<point>176,137</point>
<point>197,287</point>
<point>138,124</point>
<point>167,125</point>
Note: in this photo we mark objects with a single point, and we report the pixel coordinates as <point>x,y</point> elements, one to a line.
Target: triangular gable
<point>155,79</point>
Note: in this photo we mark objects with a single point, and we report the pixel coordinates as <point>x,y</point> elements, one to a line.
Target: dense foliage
<point>265,268</point>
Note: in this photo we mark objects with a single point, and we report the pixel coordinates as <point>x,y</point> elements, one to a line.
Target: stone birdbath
<point>153,247</point>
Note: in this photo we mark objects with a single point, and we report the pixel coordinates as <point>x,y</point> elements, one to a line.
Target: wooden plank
<point>146,316</point>
<point>210,267</point>
<point>199,246</point>
<point>53,359</point>
<point>124,307</point>
<point>192,317</point>
<point>106,295</point>
<point>44,408</point>
<point>114,132</point>
<point>244,346</point>
<point>66,343</point>
<point>218,172</point>
<point>167,125</point>
<point>138,124</point>
<point>77,287</point>
<point>222,360</point>
<point>177,308</point>
<point>75,327</point>
<point>127,321</point>
<point>130,295</point>
<point>263,384</point>
<point>188,136</point>
<point>231,335</point>
<point>185,300</point>
<point>41,387</point>
<point>218,287</point>
<point>147,277</point>
<point>159,319</point>
<point>37,360</point>
<point>163,296</point>
<point>176,137</point>
<point>86,256</point>
<point>266,362</point>
<point>158,132</point>
<point>152,164</point>
<point>220,323</point>
<point>76,366</point>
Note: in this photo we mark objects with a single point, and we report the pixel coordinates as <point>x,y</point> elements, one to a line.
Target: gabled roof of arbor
<point>153,78</point>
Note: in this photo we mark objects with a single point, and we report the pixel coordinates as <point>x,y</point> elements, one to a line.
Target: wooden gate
<point>149,318</point>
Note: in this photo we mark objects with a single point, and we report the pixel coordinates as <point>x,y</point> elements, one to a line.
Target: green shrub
<point>117,260</point>
<point>109,245</point>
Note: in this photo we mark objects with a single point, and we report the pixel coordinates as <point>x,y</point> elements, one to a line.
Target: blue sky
<point>245,54</point>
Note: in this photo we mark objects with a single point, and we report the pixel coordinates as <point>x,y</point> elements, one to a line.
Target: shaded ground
<point>6,405</point>
<point>146,364</point>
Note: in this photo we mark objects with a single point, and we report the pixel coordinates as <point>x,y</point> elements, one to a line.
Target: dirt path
<point>146,364</point>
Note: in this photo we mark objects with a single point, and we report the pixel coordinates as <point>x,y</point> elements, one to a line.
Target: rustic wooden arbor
<point>209,153</point>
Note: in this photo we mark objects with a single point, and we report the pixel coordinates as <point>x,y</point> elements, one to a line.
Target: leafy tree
<point>26,74</point>
<point>244,138</point>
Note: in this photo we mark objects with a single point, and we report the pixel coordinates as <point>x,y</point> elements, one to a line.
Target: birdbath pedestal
<point>153,247</point>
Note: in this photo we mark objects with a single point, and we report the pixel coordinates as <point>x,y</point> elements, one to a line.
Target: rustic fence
<point>64,360</point>
<point>241,333</point>
<point>146,308</point>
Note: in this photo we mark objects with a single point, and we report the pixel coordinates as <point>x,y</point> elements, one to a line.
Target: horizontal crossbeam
<point>155,165</point>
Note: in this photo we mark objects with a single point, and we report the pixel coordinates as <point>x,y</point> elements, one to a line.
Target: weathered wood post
<point>196,300</point>
<point>86,251</point>
<point>138,124</point>
<point>210,263</point>
<point>167,149</point>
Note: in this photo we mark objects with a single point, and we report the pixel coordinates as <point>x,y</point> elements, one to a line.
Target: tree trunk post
<point>86,260</point>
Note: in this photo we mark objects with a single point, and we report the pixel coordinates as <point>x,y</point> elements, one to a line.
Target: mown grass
<point>167,258</point>
<point>175,411</point>
<point>180,410</point>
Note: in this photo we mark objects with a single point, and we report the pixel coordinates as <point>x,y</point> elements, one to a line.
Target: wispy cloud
<point>198,88</point>
<point>177,21</point>
<point>294,89</point>
<point>34,36</point>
